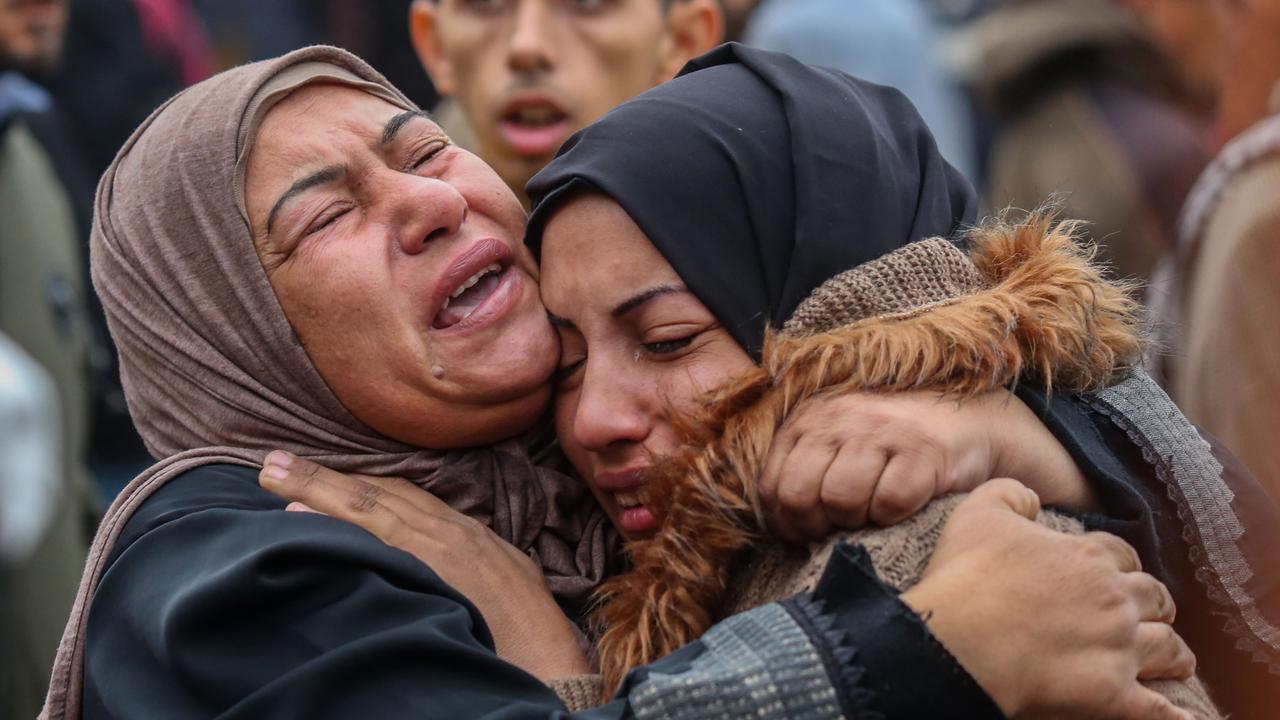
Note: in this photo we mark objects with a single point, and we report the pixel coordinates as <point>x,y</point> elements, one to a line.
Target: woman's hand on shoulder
<point>1050,624</point>
<point>842,461</point>
<point>529,629</point>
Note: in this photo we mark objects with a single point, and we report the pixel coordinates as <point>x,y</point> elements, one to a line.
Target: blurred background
<point>1112,108</point>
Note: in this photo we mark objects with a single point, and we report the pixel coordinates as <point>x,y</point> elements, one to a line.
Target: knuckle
<point>366,500</point>
<point>842,497</point>
<point>307,472</point>
<point>794,495</point>
<point>895,499</point>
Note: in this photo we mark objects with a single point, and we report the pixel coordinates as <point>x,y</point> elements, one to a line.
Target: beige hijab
<point>213,371</point>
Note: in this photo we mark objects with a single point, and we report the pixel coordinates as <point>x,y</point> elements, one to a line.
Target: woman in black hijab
<point>760,180</point>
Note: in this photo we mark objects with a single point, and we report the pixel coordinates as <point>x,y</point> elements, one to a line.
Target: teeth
<point>628,499</point>
<point>470,283</point>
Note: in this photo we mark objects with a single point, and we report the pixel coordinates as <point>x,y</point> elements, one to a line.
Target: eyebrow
<point>625,306</point>
<point>334,172</point>
<point>645,296</point>
<point>395,124</point>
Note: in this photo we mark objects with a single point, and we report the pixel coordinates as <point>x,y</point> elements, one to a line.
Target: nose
<point>530,47</point>
<point>613,409</point>
<point>426,209</point>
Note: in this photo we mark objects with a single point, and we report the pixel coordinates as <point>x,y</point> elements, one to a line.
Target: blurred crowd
<point>1153,120</point>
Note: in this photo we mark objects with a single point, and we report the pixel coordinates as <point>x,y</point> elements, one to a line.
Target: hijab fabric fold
<point>780,176</point>
<point>214,373</point>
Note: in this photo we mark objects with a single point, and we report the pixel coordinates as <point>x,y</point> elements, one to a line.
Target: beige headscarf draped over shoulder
<point>212,369</point>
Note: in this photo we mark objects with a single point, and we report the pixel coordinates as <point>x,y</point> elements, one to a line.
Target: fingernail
<point>278,457</point>
<point>299,507</point>
<point>275,471</point>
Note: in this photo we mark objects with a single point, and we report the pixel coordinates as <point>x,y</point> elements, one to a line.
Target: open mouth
<point>534,126</point>
<point>470,295</point>
<point>631,499</point>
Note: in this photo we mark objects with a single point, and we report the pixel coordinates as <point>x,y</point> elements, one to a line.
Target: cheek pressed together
<point>396,257</point>
<point>636,346</point>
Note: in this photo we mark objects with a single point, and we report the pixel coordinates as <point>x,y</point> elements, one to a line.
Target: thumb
<point>1003,494</point>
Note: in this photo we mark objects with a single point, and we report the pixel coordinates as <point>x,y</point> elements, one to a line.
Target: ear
<point>424,31</point>
<point>693,28</point>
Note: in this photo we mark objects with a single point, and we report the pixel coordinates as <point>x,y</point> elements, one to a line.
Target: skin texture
<point>582,56</point>
<point>31,34</point>
<point>360,263</point>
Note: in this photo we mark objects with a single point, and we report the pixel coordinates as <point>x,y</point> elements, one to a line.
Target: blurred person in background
<point>1102,102</point>
<point>247,30</point>
<point>121,60</point>
<point>737,13</point>
<point>42,311</point>
<point>29,492</point>
<point>1219,316</point>
<point>526,74</point>
<point>890,43</point>
<point>28,455</point>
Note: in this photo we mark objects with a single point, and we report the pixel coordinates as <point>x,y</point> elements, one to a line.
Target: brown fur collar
<point>1046,313</point>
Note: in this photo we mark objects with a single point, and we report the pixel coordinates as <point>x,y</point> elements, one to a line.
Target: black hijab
<point>759,178</point>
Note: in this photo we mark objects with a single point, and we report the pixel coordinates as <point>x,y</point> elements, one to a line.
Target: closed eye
<point>426,155</point>
<point>666,347</point>
<point>327,219</point>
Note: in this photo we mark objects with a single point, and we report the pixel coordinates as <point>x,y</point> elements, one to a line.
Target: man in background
<point>1104,103</point>
<point>1224,365</point>
<point>524,75</point>
<point>42,310</point>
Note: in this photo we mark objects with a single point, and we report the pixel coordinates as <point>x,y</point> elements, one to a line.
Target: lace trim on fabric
<point>1193,479</point>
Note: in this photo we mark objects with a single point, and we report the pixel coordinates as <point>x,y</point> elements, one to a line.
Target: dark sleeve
<point>216,603</point>
<point>896,667</point>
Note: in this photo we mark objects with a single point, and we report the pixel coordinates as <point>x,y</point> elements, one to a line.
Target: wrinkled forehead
<point>281,86</point>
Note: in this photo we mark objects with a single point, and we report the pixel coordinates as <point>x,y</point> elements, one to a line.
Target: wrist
<point>1025,450</point>
<point>941,614</point>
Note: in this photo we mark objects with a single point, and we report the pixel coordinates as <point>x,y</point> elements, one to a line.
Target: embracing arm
<point>230,608</point>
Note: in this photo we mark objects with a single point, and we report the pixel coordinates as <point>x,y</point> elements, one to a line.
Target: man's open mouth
<point>534,126</point>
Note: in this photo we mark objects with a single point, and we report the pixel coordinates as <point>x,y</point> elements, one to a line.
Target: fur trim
<point>1047,316</point>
